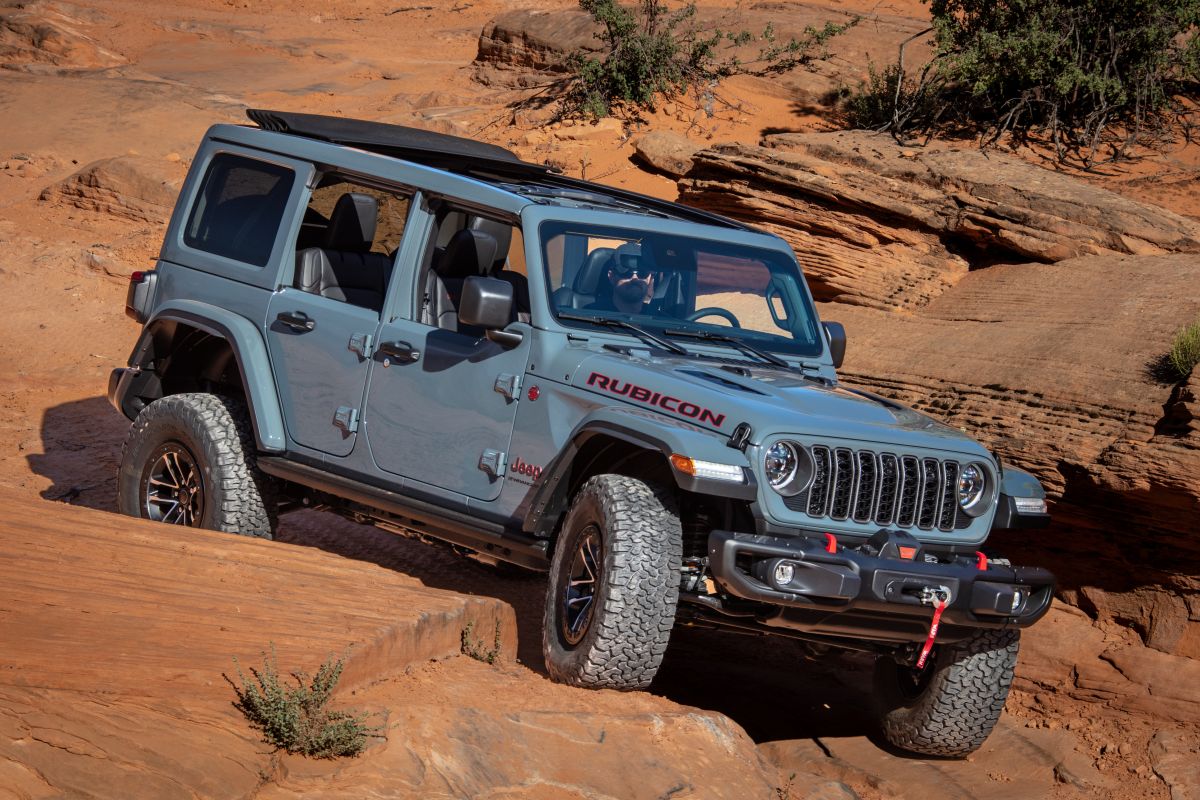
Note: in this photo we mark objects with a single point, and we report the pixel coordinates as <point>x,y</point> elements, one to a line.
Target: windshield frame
<point>779,259</point>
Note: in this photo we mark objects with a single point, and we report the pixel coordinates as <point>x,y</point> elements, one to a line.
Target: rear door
<point>320,337</point>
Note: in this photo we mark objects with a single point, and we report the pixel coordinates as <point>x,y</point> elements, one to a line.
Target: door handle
<point>399,351</point>
<point>297,320</point>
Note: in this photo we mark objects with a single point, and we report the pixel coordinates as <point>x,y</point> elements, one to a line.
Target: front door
<point>441,406</point>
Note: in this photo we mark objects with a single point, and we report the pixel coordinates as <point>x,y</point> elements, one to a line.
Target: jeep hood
<point>771,400</point>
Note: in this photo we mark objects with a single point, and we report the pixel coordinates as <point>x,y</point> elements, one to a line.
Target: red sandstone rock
<point>130,187</point>
<point>884,226</point>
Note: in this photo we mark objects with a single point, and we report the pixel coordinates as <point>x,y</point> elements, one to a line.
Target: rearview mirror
<point>835,334</point>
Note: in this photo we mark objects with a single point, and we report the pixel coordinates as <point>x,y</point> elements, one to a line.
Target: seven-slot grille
<point>884,488</point>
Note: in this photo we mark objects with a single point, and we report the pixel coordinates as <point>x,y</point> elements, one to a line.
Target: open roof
<point>487,162</point>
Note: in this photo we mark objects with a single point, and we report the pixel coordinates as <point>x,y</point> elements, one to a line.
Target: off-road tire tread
<point>244,500</point>
<point>964,698</point>
<point>643,554</point>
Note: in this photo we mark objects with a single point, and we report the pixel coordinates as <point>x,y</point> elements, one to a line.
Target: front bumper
<point>879,591</point>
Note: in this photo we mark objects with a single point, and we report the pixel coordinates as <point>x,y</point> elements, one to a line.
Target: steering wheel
<point>713,311</point>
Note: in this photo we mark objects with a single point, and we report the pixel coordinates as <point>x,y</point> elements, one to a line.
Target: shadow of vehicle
<point>81,449</point>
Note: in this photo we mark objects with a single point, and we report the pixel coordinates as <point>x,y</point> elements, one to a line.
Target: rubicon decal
<point>664,401</point>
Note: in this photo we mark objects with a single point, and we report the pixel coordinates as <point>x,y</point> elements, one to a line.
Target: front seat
<point>344,268</point>
<point>588,281</point>
<point>469,252</point>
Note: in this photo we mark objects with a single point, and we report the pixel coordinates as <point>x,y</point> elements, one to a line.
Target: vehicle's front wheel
<point>949,708</point>
<point>614,585</point>
<point>189,460</point>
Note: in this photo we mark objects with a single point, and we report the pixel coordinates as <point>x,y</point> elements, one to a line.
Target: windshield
<point>669,284</point>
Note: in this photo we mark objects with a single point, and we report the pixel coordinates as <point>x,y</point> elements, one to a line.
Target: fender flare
<point>1015,483</point>
<point>249,351</point>
<point>648,431</point>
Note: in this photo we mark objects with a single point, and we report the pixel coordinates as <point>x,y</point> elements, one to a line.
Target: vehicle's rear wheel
<point>189,460</point>
<point>950,707</point>
<point>614,585</point>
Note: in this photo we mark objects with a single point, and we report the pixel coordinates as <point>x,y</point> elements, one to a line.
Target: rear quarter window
<point>238,209</point>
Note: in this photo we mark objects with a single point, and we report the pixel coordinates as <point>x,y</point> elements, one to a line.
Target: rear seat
<point>344,268</point>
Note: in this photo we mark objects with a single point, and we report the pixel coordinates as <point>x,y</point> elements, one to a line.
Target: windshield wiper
<point>745,347</point>
<point>644,334</point>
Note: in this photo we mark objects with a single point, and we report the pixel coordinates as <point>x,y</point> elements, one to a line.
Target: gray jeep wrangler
<point>637,397</point>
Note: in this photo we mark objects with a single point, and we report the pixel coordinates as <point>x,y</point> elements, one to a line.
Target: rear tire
<point>614,585</point>
<point>950,708</point>
<point>189,459</point>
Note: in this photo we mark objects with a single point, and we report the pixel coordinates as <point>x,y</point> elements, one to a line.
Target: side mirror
<point>488,303</point>
<point>835,334</point>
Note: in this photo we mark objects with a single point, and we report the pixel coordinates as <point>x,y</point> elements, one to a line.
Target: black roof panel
<point>479,160</point>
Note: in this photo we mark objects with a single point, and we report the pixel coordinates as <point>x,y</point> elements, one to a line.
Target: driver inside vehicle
<point>630,281</point>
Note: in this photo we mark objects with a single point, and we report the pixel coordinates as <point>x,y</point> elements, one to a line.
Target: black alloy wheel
<point>582,586</point>
<point>173,487</point>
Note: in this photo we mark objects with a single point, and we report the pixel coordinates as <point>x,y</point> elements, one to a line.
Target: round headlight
<point>972,489</point>
<point>780,464</point>
<point>788,468</point>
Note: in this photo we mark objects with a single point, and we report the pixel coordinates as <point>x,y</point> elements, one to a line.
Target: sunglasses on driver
<point>629,267</point>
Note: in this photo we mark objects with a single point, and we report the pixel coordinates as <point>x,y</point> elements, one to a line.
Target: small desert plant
<point>1184,354</point>
<point>478,649</point>
<point>296,718</point>
<point>651,53</point>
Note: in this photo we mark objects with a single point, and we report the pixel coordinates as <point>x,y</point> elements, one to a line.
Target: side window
<point>239,208</point>
<point>348,241</point>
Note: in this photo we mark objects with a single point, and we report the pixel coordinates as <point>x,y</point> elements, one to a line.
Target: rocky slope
<point>120,637</point>
<point>892,227</point>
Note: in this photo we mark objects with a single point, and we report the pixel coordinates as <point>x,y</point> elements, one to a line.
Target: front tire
<point>950,708</point>
<point>189,459</point>
<point>614,585</point>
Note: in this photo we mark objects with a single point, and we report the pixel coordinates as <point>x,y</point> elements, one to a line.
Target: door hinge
<point>346,418</point>
<point>508,385</point>
<point>492,462</point>
<point>361,343</point>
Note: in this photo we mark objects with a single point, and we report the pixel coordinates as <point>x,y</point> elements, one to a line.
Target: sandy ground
<point>148,79</point>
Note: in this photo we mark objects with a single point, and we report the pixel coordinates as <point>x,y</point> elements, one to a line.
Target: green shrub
<point>650,52</point>
<point>476,648</point>
<point>1184,354</point>
<point>296,718</point>
<point>1085,75</point>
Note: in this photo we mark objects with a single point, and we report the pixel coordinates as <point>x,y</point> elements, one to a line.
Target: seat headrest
<point>594,266</point>
<point>467,253</point>
<point>631,255</point>
<point>352,224</point>
<point>500,231</point>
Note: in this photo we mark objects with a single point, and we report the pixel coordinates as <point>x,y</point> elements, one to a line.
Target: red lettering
<point>642,395</point>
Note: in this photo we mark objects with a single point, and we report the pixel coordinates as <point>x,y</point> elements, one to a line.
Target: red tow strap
<point>933,630</point>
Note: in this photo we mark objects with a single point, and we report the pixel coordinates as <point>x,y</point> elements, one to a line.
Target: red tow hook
<point>981,560</point>
<point>941,597</point>
<point>830,543</point>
